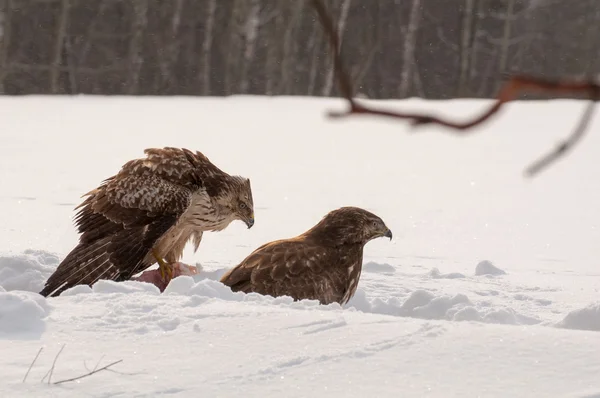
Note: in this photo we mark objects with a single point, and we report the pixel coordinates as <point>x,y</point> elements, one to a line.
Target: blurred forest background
<point>394,49</point>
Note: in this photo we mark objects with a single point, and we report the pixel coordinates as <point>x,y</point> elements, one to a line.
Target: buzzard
<point>324,263</point>
<point>146,213</point>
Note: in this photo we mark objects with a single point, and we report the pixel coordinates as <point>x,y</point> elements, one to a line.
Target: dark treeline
<point>393,49</point>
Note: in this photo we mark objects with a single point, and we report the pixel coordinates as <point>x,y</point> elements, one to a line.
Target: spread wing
<point>293,268</point>
<point>121,220</point>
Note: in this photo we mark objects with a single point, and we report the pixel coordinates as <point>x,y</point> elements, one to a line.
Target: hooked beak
<point>388,234</point>
<point>249,221</point>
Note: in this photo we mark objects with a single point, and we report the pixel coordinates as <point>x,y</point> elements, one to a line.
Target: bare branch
<point>510,91</point>
<point>32,362</point>
<point>562,149</point>
<point>51,371</point>
<point>90,373</point>
<point>95,367</point>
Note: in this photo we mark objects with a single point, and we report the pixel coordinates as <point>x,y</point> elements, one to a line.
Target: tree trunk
<point>6,18</point>
<point>340,28</point>
<point>289,64</point>
<point>59,40</point>
<point>314,45</point>
<point>136,44</point>
<point>408,57</point>
<point>207,46</point>
<point>250,33</point>
<point>465,47</point>
<point>506,36</point>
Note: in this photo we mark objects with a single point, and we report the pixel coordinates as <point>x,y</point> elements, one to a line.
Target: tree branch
<point>96,370</point>
<point>32,362</point>
<point>509,91</point>
<point>562,149</point>
<point>51,371</point>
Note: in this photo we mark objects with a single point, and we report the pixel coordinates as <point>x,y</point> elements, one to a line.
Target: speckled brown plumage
<point>324,263</point>
<point>160,201</point>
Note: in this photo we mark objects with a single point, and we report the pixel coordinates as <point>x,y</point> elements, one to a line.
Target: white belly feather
<point>201,215</point>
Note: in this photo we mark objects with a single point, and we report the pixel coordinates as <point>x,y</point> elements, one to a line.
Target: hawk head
<point>238,201</point>
<point>349,225</point>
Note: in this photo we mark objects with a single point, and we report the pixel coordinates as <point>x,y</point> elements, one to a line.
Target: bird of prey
<point>146,213</point>
<point>324,263</point>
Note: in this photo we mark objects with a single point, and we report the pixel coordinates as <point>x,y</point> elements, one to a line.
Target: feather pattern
<point>157,202</point>
<point>323,264</point>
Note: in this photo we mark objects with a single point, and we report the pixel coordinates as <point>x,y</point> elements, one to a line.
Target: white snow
<point>27,271</point>
<point>485,267</point>
<point>587,318</point>
<point>22,314</point>
<point>489,287</point>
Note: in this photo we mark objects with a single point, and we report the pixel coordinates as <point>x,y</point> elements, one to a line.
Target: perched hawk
<point>147,213</point>
<point>324,263</point>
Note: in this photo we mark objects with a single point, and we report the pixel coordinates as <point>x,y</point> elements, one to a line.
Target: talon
<point>166,271</point>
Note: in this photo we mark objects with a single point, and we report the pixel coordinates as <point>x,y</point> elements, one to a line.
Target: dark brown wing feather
<point>121,220</point>
<point>185,168</point>
<point>295,268</point>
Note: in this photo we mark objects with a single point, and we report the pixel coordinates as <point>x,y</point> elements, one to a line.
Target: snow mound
<point>436,274</point>
<point>383,268</point>
<point>208,290</point>
<point>127,287</point>
<point>22,314</point>
<point>426,305</point>
<point>485,267</point>
<point>204,274</point>
<point>75,290</point>
<point>587,318</point>
<point>186,285</point>
<point>27,271</point>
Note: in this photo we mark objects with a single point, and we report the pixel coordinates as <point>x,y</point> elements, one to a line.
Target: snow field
<point>488,289</point>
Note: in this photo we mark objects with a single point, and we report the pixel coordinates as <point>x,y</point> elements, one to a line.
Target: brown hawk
<point>146,213</point>
<point>324,263</point>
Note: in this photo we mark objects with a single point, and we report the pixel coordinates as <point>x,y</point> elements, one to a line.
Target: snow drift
<point>490,277</point>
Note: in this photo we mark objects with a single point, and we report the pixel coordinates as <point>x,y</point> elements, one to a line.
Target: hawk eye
<point>242,206</point>
<point>375,223</point>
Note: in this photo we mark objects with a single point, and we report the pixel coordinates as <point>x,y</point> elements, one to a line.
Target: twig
<point>54,364</point>
<point>51,370</point>
<point>510,90</point>
<point>562,149</point>
<point>95,367</point>
<point>90,373</point>
<point>32,362</point>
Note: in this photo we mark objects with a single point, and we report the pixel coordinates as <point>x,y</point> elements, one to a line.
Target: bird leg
<point>166,271</point>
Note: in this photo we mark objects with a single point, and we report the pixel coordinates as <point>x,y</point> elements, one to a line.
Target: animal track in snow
<point>328,326</point>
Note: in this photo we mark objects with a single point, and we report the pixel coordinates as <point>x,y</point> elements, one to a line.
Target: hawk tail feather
<point>114,257</point>
<point>86,264</point>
